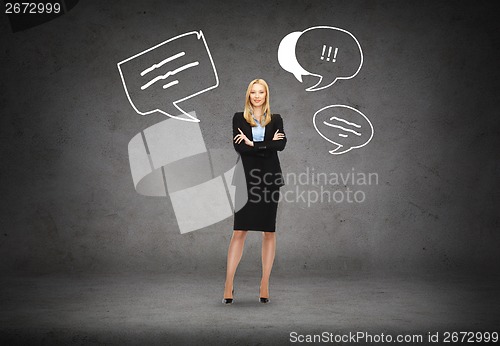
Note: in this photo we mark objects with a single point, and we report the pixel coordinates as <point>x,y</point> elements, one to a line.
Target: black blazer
<point>263,155</point>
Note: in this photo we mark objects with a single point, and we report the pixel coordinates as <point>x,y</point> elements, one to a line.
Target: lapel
<point>248,128</point>
<point>268,134</point>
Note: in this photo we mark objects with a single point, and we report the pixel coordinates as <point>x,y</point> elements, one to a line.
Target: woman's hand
<point>241,137</point>
<point>277,136</point>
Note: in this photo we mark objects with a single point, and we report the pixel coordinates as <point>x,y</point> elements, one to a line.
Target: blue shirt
<point>258,132</point>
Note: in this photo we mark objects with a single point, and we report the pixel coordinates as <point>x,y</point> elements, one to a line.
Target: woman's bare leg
<point>268,252</point>
<point>234,254</point>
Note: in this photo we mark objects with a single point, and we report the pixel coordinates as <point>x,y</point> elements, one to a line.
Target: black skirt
<point>259,211</point>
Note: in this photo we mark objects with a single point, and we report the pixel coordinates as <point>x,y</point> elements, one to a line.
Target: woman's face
<point>257,95</point>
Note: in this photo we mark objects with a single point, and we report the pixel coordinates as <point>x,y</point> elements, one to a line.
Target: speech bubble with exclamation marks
<point>159,78</point>
<point>326,52</point>
<point>344,126</point>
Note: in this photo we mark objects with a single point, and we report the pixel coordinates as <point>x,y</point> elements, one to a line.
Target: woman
<point>258,135</point>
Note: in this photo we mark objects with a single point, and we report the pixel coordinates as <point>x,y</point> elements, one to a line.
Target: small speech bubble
<point>323,51</point>
<point>343,126</point>
<point>159,78</point>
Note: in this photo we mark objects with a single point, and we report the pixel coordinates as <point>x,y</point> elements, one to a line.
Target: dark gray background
<point>87,260</point>
<point>429,84</point>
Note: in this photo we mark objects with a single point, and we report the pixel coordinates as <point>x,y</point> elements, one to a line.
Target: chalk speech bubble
<point>159,78</point>
<point>344,126</point>
<point>326,52</point>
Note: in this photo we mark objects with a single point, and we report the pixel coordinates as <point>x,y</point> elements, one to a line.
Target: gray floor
<point>186,308</point>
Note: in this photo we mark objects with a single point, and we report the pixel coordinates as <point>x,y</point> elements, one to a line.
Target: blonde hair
<point>247,113</point>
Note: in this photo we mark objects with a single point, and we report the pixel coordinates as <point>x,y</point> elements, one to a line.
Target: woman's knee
<point>239,234</point>
<point>268,235</point>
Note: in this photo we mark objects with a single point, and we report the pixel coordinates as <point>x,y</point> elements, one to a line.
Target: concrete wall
<point>429,85</point>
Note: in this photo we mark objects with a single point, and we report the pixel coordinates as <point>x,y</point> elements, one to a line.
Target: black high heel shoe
<point>264,300</point>
<point>228,301</point>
